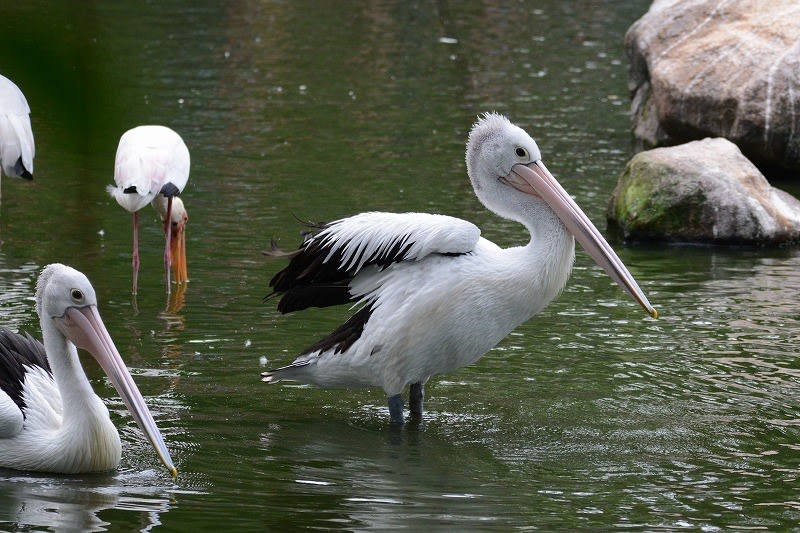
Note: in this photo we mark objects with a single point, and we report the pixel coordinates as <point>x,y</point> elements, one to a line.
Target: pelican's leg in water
<point>396,409</point>
<point>416,395</point>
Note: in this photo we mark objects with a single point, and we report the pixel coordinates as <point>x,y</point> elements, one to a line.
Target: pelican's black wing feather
<point>320,271</point>
<point>16,353</point>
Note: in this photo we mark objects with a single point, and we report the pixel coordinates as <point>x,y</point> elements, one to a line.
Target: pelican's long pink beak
<point>85,329</point>
<point>536,180</point>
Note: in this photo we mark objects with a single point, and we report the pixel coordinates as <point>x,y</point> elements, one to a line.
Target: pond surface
<point>591,416</point>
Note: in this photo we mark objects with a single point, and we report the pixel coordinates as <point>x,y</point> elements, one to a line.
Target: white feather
<point>367,236</point>
<point>148,157</point>
<point>16,135</point>
<point>10,417</point>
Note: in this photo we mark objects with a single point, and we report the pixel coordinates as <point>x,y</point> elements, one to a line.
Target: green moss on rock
<point>703,192</point>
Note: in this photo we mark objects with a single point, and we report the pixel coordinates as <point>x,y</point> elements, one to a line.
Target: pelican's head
<point>59,288</point>
<point>495,145</point>
<point>509,177</point>
<point>66,297</point>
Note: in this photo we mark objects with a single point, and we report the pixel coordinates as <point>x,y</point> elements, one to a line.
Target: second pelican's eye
<point>76,294</point>
<point>521,152</point>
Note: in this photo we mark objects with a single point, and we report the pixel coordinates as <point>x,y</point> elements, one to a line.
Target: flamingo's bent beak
<point>178,248</point>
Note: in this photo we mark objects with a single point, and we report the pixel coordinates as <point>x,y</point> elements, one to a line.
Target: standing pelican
<point>433,295</point>
<point>16,137</point>
<point>151,161</point>
<point>50,419</point>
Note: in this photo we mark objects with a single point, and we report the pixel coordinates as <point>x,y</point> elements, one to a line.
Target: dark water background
<point>591,416</point>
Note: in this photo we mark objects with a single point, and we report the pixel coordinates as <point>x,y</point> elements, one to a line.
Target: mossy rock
<point>701,192</point>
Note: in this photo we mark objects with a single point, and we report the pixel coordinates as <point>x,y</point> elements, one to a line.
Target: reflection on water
<point>70,504</point>
<point>16,293</point>
<point>175,302</point>
<point>377,479</point>
<point>592,416</point>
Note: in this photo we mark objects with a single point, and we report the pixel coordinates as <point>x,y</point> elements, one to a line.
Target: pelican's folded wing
<point>18,354</point>
<point>320,272</point>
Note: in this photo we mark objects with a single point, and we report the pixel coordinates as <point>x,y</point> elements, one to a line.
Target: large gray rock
<point>722,68</point>
<point>704,192</point>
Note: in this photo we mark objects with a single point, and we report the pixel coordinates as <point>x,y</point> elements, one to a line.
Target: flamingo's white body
<point>434,295</point>
<point>16,136</point>
<point>151,166</point>
<point>50,418</point>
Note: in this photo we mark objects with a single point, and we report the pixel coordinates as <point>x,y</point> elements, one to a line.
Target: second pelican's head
<point>509,177</point>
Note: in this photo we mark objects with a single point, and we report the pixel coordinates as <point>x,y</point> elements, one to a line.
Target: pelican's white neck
<point>551,249</point>
<point>78,397</point>
<point>87,440</point>
<point>63,358</point>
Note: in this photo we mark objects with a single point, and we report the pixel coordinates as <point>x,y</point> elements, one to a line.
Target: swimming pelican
<point>16,137</point>
<point>433,294</point>
<point>151,161</point>
<point>50,419</point>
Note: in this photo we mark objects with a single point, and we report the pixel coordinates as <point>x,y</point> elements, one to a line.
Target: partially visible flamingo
<point>16,136</point>
<point>151,162</point>
<point>50,418</point>
<point>432,295</point>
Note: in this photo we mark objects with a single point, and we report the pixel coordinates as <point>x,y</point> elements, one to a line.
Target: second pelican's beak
<point>85,329</point>
<point>536,180</point>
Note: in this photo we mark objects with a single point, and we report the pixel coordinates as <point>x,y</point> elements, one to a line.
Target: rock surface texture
<point>701,192</point>
<point>721,68</point>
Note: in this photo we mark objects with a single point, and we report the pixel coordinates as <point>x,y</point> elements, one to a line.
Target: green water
<point>591,416</point>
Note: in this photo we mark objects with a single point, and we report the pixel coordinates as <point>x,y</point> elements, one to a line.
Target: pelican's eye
<point>77,295</point>
<point>522,153</point>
